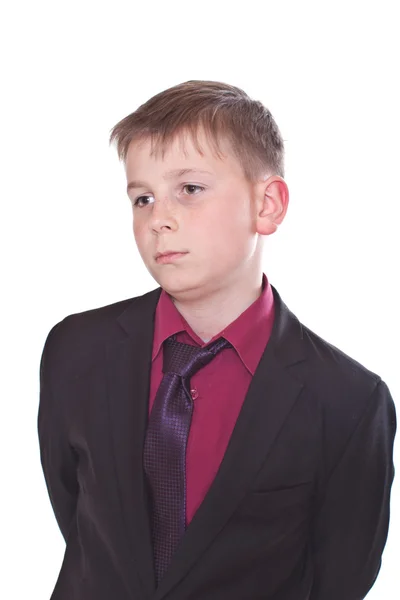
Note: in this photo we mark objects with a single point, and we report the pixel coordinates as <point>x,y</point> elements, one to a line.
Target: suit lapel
<point>128,377</point>
<point>270,397</point>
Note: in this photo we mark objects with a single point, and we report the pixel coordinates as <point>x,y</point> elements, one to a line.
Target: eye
<point>187,185</point>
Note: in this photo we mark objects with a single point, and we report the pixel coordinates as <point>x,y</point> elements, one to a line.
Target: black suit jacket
<point>298,510</point>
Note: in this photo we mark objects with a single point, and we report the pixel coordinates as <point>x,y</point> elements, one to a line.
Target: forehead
<point>183,147</point>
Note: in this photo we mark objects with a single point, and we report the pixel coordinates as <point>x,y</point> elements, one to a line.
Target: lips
<point>170,258</point>
<point>168,252</point>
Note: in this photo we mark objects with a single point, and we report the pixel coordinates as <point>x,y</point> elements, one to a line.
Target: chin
<point>175,283</point>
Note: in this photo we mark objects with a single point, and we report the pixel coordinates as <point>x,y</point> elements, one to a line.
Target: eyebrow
<point>169,175</point>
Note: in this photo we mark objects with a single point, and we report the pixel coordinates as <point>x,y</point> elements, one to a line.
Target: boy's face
<point>214,223</point>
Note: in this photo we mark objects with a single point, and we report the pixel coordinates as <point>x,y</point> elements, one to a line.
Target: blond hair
<point>222,110</point>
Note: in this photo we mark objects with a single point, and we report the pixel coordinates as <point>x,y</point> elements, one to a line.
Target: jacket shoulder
<point>330,360</point>
<point>343,388</point>
<point>77,342</point>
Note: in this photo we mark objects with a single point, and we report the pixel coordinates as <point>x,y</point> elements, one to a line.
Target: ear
<point>272,204</point>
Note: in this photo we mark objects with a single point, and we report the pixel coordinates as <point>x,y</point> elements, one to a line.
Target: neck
<point>210,313</point>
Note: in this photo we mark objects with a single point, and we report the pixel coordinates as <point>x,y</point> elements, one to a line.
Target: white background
<point>328,71</point>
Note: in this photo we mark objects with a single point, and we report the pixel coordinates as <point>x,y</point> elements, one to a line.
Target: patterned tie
<point>164,458</point>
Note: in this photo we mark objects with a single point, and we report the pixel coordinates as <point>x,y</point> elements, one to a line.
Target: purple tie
<point>164,458</point>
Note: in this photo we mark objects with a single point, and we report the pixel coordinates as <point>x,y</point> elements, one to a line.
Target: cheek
<point>137,230</point>
<point>230,225</point>
<point>140,240</point>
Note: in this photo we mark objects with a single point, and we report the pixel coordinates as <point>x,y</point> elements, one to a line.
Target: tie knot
<point>185,360</point>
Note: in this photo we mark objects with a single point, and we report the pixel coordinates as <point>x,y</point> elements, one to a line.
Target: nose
<point>162,216</point>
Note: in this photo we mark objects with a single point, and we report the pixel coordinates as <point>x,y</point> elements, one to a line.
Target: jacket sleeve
<point>351,524</point>
<point>58,459</point>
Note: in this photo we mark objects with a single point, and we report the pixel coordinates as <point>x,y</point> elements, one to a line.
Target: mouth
<point>167,257</point>
<point>168,252</point>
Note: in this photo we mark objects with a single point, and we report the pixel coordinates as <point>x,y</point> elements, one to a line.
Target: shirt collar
<point>248,334</point>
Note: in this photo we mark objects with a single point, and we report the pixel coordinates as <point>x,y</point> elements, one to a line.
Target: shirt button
<point>194,393</point>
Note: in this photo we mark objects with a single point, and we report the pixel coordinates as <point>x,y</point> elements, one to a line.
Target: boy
<point>198,441</point>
